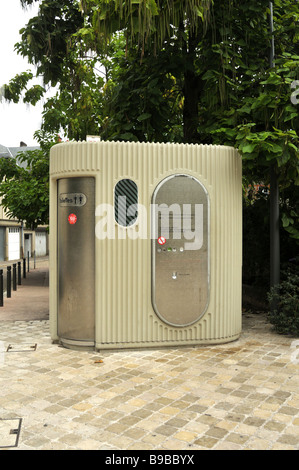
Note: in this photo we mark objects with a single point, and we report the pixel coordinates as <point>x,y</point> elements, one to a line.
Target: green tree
<point>149,25</point>
<point>226,89</point>
<point>24,186</point>
<point>143,101</point>
<point>59,38</point>
<point>62,60</point>
<point>186,71</point>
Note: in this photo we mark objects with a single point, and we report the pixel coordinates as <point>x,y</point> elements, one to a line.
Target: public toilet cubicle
<point>145,244</point>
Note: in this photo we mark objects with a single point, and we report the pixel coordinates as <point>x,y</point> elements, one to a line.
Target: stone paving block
<point>236,396</point>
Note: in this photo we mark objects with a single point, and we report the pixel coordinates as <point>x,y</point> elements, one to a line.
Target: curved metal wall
<point>124,316</point>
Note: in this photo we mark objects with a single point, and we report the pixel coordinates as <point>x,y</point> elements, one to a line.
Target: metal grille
<point>125,202</point>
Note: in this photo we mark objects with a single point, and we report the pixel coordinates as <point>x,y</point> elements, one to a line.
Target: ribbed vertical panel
<point>124,313</point>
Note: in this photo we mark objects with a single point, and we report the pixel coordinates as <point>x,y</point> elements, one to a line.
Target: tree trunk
<point>191,93</point>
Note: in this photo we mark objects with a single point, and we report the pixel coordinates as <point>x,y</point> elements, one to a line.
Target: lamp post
<point>274,196</point>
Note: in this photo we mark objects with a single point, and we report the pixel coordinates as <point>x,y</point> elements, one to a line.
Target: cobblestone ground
<point>242,395</point>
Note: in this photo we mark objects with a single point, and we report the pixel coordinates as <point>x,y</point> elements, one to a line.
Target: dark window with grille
<point>125,202</point>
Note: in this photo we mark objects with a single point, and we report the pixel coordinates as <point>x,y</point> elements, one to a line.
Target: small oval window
<point>125,202</point>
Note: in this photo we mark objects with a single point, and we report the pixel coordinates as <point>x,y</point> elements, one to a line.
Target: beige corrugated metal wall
<point>124,313</point>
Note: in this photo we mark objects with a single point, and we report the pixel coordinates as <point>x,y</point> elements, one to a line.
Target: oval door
<point>180,250</point>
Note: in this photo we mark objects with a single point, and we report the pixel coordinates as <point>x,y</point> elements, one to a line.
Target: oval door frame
<point>180,268</point>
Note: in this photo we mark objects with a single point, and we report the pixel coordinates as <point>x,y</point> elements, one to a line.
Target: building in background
<point>16,241</point>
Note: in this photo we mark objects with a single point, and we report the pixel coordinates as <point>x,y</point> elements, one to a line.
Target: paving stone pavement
<point>238,396</point>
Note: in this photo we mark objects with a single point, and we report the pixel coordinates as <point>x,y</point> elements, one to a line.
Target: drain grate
<point>21,347</point>
<point>10,432</point>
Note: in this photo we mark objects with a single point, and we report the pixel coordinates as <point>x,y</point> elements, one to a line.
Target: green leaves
<point>13,90</point>
<point>145,21</point>
<point>132,70</point>
<point>285,317</point>
<point>286,220</point>
<point>142,101</point>
<point>25,189</point>
<point>45,38</point>
<point>276,145</point>
<point>143,117</point>
<point>34,94</point>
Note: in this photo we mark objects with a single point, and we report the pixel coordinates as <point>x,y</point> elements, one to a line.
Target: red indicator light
<point>72,219</point>
<point>161,240</point>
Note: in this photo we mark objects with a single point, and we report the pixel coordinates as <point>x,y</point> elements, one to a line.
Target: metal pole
<point>274,196</point>
<point>14,277</point>
<point>22,239</point>
<point>19,273</point>
<point>8,281</point>
<point>274,230</point>
<point>1,287</point>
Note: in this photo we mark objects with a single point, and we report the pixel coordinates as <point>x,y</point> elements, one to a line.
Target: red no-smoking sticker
<point>72,219</point>
<point>161,240</point>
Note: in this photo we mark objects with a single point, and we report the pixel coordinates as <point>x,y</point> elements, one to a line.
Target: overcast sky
<point>18,122</point>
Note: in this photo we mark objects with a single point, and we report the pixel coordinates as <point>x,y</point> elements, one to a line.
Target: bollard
<point>19,273</point>
<point>24,267</point>
<point>14,276</point>
<point>8,288</point>
<point>1,287</point>
<point>28,260</point>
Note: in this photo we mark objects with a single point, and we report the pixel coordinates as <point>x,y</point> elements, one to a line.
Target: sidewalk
<point>31,299</point>
<point>239,396</point>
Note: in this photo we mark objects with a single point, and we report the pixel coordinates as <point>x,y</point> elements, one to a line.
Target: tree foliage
<point>24,187</point>
<point>193,71</point>
<point>144,21</point>
<point>285,317</point>
<point>143,101</point>
<point>46,39</point>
